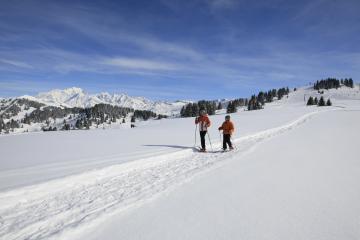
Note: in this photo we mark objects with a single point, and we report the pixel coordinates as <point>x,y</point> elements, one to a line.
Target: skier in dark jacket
<point>228,130</point>
<point>204,122</point>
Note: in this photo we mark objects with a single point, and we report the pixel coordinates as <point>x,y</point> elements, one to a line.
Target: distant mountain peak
<point>62,92</point>
<point>77,97</point>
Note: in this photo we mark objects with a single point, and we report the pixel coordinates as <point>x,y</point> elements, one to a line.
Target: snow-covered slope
<point>337,96</point>
<point>278,189</point>
<point>294,175</point>
<point>76,97</point>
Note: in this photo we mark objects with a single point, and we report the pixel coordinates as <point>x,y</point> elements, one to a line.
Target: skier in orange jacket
<point>228,130</point>
<point>204,122</point>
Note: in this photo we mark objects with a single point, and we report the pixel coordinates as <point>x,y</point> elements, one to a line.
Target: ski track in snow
<point>46,210</point>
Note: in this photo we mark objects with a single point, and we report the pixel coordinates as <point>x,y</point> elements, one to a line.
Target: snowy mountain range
<point>77,97</point>
<point>73,108</point>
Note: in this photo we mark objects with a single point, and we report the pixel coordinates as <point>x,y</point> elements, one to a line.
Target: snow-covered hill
<point>77,97</point>
<point>337,96</point>
<point>13,112</point>
<point>293,175</point>
<point>54,109</point>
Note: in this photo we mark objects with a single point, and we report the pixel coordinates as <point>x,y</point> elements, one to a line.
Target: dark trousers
<point>227,140</point>
<point>202,138</point>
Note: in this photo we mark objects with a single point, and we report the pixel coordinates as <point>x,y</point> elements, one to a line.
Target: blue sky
<point>173,49</point>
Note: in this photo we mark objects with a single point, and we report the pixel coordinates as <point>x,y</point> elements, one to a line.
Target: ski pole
<point>232,141</point>
<point>195,135</point>
<point>221,140</point>
<point>210,141</point>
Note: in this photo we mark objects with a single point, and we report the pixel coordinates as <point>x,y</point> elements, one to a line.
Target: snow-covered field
<point>294,174</point>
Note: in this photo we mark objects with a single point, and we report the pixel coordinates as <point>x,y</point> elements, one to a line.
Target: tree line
<point>74,118</point>
<point>193,109</point>
<point>108,114</point>
<point>233,105</point>
<point>255,102</point>
<point>321,102</point>
<point>331,83</point>
<point>15,107</point>
<point>258,101</point>
<point>6,127</point>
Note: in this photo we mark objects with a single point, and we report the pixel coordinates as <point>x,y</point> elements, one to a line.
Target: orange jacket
<point>227,127</point>
<point>204,122</point>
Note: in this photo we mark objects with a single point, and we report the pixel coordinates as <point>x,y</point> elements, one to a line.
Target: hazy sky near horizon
<point>173,49</point>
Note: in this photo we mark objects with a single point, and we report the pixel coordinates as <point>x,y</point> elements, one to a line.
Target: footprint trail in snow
<point>46,210</point>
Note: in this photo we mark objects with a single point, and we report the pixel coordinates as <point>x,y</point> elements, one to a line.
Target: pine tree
<point>310,101</point>
<point>254,104</point>
<point>2,124</point>
<point>328,102</point>
<point>351,83</point>
<point>219,106</point>
<point>182,111</point>
<point>66,127</point>
<point>79,124</point>
<point>316,101</point>
<point>321,102</point>
<point>195,110</point>
<point>261,98</point>
<point>231,108</point>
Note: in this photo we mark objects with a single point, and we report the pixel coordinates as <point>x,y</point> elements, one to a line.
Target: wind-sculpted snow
<point>56,207</point>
